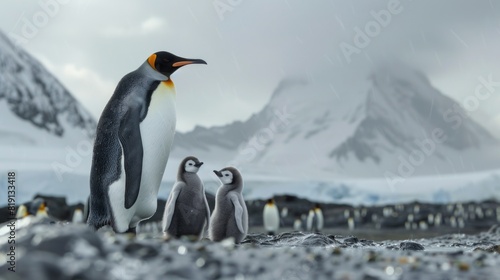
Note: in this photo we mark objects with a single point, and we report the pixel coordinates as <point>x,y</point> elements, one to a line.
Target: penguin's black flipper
<point>131,141</point>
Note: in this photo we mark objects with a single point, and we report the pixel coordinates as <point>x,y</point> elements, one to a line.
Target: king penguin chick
<point>230,217</point>
<point>271,217</point>
<point>187,212</point>
<point>133,140</point>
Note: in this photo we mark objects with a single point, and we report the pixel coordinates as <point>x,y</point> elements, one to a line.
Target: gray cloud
<point>91,44</point>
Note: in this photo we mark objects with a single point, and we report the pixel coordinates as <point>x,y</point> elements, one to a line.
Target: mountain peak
<point>35,100</point>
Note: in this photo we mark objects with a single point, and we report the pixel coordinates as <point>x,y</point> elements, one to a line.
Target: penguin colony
<point>37,208</point>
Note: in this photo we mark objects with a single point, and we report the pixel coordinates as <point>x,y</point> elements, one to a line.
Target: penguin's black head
<point>190,164</point>
<point>229,175</point>
<point>167,63</point>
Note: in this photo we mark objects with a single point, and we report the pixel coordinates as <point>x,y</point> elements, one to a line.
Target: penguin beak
<point>198,164</point>
<point>186,61</point>
<point>218,173</point>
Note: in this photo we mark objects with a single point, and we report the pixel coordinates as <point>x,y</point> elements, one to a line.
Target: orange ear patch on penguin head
<point>152,61</point>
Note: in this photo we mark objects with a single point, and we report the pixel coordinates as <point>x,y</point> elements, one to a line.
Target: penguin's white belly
<point>271,218</point>
<point>319,215</point>
<point>157,133</point>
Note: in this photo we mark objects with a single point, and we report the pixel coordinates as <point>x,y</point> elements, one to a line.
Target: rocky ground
<point>48,250</point>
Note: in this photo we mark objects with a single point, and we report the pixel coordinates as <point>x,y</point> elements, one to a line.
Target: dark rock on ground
<point>410,246</point>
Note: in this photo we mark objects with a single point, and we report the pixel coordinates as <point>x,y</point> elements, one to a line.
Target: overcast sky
<point>251,45</point>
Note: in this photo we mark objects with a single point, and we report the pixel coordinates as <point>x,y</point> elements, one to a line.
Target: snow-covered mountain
<point>35,108</point>
<point>307,130</point>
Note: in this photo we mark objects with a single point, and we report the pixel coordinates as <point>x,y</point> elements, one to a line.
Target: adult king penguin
<point>132,145</point>
<point>271,217</point>
<point>187,212</point>
<point>315,219</point>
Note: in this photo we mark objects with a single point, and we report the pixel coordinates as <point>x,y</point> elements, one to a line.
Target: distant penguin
<point>230,216</point>
<point>77,216</point>
<point>315,219</point>
<point>297,224</point>
<point>22,212</point>
<point>38,207</point>
<point>284,212</point>
<point>303,219</point>
<point>311,220</point>
<point>132,145</point>
<point>319,217</point>
<point>271,217</point>
<point>186,211</point>
<point>350,223</point>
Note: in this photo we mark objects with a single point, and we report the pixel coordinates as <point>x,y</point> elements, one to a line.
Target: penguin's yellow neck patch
<point>152,61</point>
<point>168,83</point>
